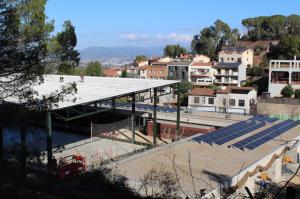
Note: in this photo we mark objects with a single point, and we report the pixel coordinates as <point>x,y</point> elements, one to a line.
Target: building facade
<point>227,74</point>
<point>227,100</point>
<point>236,54</point>
<point>178,70</point>
<point>201,74</point>
<point>283,73</point>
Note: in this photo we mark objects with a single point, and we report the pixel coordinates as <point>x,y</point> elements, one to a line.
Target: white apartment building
<point>236,54</point>
<point>143,72</point>
<point>227,74</point>
<point>283,73</point>
<point>227,100</point>
<point>201,74</point>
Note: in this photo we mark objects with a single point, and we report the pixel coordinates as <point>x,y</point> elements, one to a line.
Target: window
<point>239,60</point>
<point>228,59</point>
<point>211,100</point>
<point>222,59</point>
<point>202,100</point>
<point>242,103</point>
<point>196,100</point>
<point>232,59</point>
<point>232,102</point>
<point>150,71</point>
<point>160,71</point>
<point>219,71</point>
<point>154,71</point>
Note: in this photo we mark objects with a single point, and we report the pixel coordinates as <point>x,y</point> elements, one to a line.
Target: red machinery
<point>70,165</point>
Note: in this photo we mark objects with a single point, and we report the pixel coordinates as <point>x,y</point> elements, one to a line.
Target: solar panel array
<point>264,136</point>
<point>262,118</point>
<point>231,132</point>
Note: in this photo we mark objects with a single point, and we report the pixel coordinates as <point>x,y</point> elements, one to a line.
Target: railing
<point>291,64</point>
<point>227,74</point>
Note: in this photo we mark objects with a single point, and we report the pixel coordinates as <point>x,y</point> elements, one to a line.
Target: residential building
<point>230,99</point>
<point>201,58</point>
<point>153,59</point>
<point>178,70</point>
<point>201,73</point>
<point>260,48</point>
<point>236,54</point>
<point>133,72</point>
<point>157,63</point>
<point>230,74</point>
<point>142,63</point>
<point>143,72</point>
<point>282,73</point>
<point>112,72</point>
<point>157,72</point>
<point>164,60</point>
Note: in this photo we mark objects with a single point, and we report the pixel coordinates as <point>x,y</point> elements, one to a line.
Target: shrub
<point>287,91</point>
<point>297,93</point>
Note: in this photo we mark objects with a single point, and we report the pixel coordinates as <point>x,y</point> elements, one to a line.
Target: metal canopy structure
<point>91,93</point>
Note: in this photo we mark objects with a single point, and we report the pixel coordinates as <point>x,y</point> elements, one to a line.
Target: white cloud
<point>158,38</point>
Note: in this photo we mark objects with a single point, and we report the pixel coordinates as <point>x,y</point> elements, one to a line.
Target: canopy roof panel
<point>94,88</point>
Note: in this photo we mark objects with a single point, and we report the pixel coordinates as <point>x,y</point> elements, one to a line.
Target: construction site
<point>118,123</point>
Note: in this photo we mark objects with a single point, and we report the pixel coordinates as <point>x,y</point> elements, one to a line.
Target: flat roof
<point>211,165</point>
<point>93,88</point>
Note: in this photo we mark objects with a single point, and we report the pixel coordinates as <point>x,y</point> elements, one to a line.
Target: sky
<point>155,22</point>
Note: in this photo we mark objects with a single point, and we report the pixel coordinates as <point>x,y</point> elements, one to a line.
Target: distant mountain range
<point>121,53</point>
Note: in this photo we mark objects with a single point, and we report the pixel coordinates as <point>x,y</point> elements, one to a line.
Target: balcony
<point>233,74</point>
<point>218,81</point>
<point>195,74</point>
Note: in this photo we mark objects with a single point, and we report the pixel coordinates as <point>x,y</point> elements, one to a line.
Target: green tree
<point>140,58</point>
<point>271,27</point>
<point>293,24</point>
<point>67,41</point>
<point>185,88</point>
<point>174,51</point>
<point>287,91</point>
<point>211,39</point>
<point>124,74</point>
<point>24,35</point>
<point>94,68</point>
<point>287,48</point>
<point>297,93</point>
<point>255,71</point>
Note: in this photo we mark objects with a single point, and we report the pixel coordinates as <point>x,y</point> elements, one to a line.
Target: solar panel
<point>262,137</point>
<point>262,118</point>
<point>231,132</point>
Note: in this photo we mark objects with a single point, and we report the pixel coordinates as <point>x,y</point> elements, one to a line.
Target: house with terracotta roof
<point>112,72</point>
<point>230,99</point>
<point>236,54</point>
<point>201,73</point>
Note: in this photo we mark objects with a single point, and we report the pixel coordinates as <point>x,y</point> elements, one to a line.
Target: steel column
<point>49,137</point>
<point>154,117</point>
<point>178,112</point>
<point>1,142</point>
<point>133,117</point>
<point>23,152</point>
